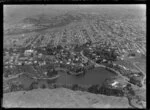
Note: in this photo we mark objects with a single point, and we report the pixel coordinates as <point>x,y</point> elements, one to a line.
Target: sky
<point>14,12</point>
<point>12,8</point>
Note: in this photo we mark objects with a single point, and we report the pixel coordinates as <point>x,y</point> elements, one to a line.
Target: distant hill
<point>41,22</point>
<point>76,27</point>
<point>29,21</point>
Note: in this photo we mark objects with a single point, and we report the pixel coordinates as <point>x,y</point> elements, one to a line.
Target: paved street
<point>144,86</point>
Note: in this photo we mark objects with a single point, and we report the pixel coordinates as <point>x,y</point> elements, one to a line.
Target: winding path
<point>12,77</point>
<point>142,72</point>
<point>49,78</point>
<point>99,65</point>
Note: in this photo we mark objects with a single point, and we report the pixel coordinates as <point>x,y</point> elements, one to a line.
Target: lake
<point>95,76</point>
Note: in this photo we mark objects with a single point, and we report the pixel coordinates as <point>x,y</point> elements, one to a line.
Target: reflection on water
<point>95,76</point>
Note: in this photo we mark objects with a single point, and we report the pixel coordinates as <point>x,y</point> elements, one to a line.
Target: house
<point>81,65</point>
<point>138,51</point>
<point>69,59</point>
<point>42,63</point>
<point>23,58</point>
<point>45,73</point>
<point>72,64</point>
<point>29,62</point>
<point>94,54</point>
<point>39,55</point>
<point>28,52</point>
<point>104,60</point>
<point>90,48</point>
<point>108,49</point>
<point>68,63</point>
<point>19,63</point>
<point>6,52</point>
<point>35,61</point>
<point>115,83</point>
<point>125,68</point>
<point>14,54</point>
<point>11,66</point>
<point>56,61</point>
<point>121,58</point>
<point>30,59</point>
<point>7,62</point>
<point>6,66</point>
<point>76,59</point>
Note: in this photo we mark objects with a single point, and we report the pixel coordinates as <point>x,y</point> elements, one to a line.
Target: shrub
<point>13,87</point>
<point>94,89</point>
<point>34,85</point>
<point>75,87</point>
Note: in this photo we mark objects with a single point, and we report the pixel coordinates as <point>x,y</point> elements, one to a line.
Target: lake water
<point>95,76</point>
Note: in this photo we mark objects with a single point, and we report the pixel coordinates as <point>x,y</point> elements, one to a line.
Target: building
<point>35,61</point>
<point>41,63</point>
<point>19,63</point>
<point>114,84</point>
<point>28,52</point>
<point>45,73</point>
<point>39,55</point>
<point>118,84</point>
<point>138,51</point>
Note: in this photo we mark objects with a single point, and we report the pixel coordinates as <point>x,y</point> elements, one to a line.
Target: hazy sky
<point>12,8</point>
<point>14,12</point>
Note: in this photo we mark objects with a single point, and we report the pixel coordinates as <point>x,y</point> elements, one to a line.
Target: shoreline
<point>103,66</point>
<point>115,71</point>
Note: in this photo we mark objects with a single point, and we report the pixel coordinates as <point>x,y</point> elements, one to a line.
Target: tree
<point>75,87</point>
<point>77,48</point>
<point>94,89</point>
<point>59,47</point>
<point>20,87</point>
<point>130,90</point>
<point>51,72</point>
<point>43,86</point>
<point>13,87</point>
<point>136,80</point>
<point>34,85</point>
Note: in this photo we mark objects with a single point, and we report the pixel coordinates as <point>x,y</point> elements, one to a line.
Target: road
<point>142,72</point>
<point>17,75</point>
<point>58,69</point>
<point>12,77</point>
<point>87,59</point>
<point>48,78</point>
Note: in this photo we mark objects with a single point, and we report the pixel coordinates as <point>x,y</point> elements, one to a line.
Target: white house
<point>28,52</point>
<point>138,51</point>
<point>104,60</point>
<point>68,63</point>
<point>114,83</point>
<point>19,63</point>
<point>39,55</point>
<point>45,73</point>
<point>35,61</point>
